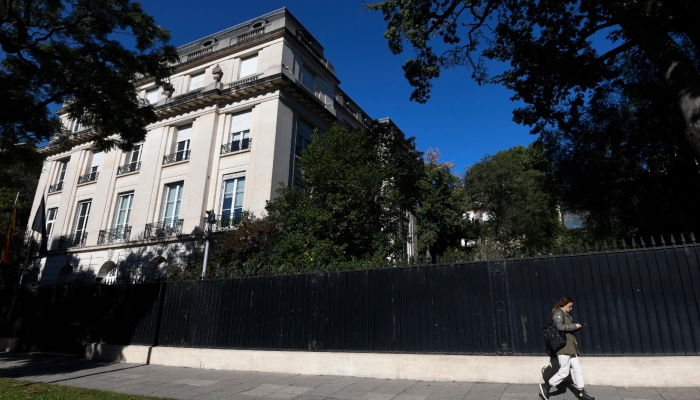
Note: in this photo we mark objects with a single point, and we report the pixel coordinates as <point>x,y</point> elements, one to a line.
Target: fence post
<point>501,315</point>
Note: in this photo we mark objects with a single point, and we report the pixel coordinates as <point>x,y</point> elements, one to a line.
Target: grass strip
<point>16,389</point>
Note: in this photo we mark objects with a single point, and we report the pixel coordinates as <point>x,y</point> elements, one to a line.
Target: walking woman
<point>567,355</point>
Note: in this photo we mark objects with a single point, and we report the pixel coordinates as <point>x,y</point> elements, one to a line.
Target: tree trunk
<point>677,70</point>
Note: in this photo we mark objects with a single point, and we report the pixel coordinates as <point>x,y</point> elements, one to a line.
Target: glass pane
<point>228,197</point>
<point>236,137</point>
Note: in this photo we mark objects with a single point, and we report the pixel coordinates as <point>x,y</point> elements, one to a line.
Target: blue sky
<point>464,120</point>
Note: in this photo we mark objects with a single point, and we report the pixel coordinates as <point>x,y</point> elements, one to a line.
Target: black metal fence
<point>631,302</point>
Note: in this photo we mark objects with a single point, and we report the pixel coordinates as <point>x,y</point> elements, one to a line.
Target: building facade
<point>245,103</point>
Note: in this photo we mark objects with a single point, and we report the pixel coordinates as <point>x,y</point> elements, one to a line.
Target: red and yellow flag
<point>8,238</point>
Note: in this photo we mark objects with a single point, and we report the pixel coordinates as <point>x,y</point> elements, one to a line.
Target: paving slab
<point>201,384</point>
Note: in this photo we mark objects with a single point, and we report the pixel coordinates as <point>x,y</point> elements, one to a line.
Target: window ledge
<point>85,183</point>
<point>234,152</point>
<point>173,163</point>
<point>136,172</point>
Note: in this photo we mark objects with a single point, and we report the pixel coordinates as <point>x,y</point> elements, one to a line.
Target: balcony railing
<point>73,240</point>
<point>56,187</point>
<point>165,228</point>
<point>92,176</point>
<point>113,235</point>
<point>236,146</point>
<point>175,157</point>
<point>225,222</point>
<point>131,167</point>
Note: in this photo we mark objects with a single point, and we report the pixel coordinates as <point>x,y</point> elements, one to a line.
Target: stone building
<point>245,103</point>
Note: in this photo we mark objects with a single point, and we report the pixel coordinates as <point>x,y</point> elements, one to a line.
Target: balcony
<point>91,177</point>
<point>225,222</point>
<point>73,240</point>
<point>165,228</point>
<point>176,157</point>
<point>131,167</point>
<point>114,235</point>
<point>236,146</point>
<point>56,187</point>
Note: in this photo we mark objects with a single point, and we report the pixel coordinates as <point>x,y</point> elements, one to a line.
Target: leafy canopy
<point>358,186</point>
<point>440,221</point>
<point>511,188</point>
<point>558,52</point>
<point>624,164</point>
<point>70,52</point>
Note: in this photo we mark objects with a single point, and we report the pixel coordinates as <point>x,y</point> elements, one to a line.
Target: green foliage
<point>244,250</point>
<point>558,53</point>
<point>358,186</point>
<point>440,222</point>
<point>623,163</point>
<point>511,188</point>
<point>58,51</point>
<point>19,174</point>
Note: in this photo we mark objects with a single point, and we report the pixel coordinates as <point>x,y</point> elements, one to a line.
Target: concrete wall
<point>606,371</point>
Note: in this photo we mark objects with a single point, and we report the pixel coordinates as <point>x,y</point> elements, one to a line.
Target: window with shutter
<point>239,137</point>
<point>249,66</point>
<point>196,81</point>
<point>152,96</point>
<point>182,147</point>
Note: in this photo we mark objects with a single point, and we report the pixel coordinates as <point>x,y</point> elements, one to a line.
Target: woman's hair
<point>563,301</point>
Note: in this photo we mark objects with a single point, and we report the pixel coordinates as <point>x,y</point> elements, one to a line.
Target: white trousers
<point>566,362</point>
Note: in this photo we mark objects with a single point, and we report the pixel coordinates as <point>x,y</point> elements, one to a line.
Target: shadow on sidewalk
<point>31,365</point>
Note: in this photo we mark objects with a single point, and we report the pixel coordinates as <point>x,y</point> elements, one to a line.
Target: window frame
<point>61,171</point>
<point>194,76</point>
<point>117,210</point>
<point>234,209</point>
<point>153,91</point>
<point>50,221</point>
<point>243,61</point>
<point>168,187</point>
<point>80,230</point>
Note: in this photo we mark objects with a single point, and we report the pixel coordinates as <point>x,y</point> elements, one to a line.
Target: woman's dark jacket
<point>563,321</point>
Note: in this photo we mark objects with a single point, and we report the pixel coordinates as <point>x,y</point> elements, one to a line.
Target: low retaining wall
<point>663,371</point>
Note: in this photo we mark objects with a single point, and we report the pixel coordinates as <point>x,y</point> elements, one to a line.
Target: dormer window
<point>257,24</point>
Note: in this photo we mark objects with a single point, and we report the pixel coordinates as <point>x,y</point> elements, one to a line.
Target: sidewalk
<point>185,383</point>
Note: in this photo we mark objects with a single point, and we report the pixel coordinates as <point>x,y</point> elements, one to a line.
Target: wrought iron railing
<point>120,234</point>
<point>56,187</point>
<point>225,222</point>
<point>175,157</point>
<point>72,240</point>
<point>236,146</point>
<point>167,227</point>
<point>131,167</point>
<point>92,176</point>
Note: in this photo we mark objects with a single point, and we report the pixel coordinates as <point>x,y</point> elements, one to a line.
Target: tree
<point>510,187</point>
<point>624,164</point>
<point>440,221</point>
<point>559,51</point>
<point>20,174</point>
<point>68,52</point>
<point>245,249</point>
<point>357,187</point>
